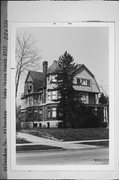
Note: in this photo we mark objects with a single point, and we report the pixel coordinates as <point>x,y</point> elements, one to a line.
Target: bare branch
<point>27,56</point>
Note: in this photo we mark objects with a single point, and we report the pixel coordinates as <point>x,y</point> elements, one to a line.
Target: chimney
<point>45,67</point>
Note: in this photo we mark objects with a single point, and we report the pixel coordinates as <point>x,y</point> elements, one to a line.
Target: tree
<point>65,75</point>
<point>71,110</point>
<point>103,99</point>
<point>27,56</point>
<point>18,123</point>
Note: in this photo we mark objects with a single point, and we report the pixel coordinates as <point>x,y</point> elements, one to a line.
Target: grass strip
<point>71,134</point>
<point>21,141</point>
<point>100,143</point>
<point>35,147</point>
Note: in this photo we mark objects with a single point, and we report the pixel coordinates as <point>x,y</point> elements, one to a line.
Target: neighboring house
<point>39,107</point>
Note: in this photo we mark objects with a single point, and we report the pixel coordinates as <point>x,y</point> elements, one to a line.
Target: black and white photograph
<point>59,90</point>
<point>62,95</point>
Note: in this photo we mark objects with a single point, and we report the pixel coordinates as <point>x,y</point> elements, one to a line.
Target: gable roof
<point>38,79</point>
<point>82,67</point>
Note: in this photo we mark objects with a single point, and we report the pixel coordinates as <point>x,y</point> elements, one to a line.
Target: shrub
<point>18,125</point>
<point>26,126</point>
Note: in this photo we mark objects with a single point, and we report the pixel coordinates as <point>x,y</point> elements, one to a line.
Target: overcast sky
<point>87,45</point>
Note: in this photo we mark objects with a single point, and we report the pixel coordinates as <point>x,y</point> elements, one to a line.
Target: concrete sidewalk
<point>42,141</point>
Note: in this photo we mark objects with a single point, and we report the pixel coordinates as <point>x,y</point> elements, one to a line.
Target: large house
<point>39,106</point>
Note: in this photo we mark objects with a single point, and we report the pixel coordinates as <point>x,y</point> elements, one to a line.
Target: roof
<point>53,67</point>
<point>38,79</point>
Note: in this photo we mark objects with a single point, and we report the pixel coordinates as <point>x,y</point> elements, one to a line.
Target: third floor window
<point>83,82</point>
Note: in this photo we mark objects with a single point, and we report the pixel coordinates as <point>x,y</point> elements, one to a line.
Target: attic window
<point>29,86</point>
<point>83,82</point>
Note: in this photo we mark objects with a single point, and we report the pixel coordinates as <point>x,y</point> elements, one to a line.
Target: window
<point>88,82</point>
<point>35,102</point>
<point>78,81</point>
<point>59,95</point>
<point>35,114</point>
<point>40,97</point>
<point>54,95</point>
<point>83,82</point>
<point>40,112</point>
<point>29,86</point>
<point>30,101</point>
<point>49,95</point>
<point>48,111</point>
<point>54,112</point>
<point>84,97</point>
<point>54,78</point>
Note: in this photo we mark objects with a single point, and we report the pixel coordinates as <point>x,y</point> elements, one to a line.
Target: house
<point>39,107</point>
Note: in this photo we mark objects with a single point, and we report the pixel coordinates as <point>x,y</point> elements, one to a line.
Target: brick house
<point>39,107</point>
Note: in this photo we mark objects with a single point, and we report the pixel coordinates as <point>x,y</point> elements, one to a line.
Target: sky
<point>87,45</point>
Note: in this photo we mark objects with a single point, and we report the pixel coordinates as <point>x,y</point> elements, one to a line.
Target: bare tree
<point>27,56</point>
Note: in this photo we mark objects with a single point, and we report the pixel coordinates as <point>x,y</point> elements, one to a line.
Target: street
<point>95,156</point>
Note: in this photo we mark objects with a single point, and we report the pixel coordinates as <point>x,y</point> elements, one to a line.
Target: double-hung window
<point>54,95</point>
<point>48,112</point>
<point>49,95</point>
<point>54,113</point>
<point>84,98</point>
<point>40,112</point>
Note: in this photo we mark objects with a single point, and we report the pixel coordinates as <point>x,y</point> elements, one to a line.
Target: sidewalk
<point>48,142</point>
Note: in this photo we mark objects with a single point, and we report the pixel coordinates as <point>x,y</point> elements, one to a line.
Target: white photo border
<point>11,135</point>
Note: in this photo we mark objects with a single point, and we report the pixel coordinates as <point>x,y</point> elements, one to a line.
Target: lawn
<point>71,134</point>
<point>21,141</point>
<point>101,143</point>
<point>35,147</point>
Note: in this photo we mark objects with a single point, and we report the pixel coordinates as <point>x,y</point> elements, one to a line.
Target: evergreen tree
<point>103,99</point>
<point>65,74</point>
